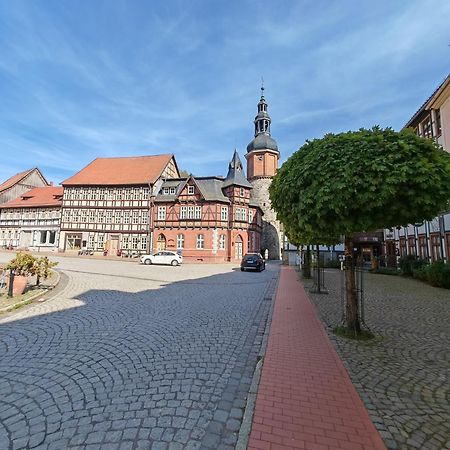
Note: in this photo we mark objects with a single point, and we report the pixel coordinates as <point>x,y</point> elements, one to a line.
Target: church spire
<point>262,120</point>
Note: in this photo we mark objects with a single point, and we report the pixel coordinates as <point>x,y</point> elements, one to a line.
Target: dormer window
<point>191,190</point>
<point>242,192</point>
<point>172,190</point>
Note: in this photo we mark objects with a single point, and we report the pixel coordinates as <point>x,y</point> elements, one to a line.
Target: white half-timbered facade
<point>32,221</point>
<point>106,206</point>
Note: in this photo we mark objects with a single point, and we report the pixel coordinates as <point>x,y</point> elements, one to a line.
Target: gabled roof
<point>427,104</point>
<point>120,171</point>
<point>17,178</point>
<point>37,197</point>
<point>235,174</point>
<point>209,187</point>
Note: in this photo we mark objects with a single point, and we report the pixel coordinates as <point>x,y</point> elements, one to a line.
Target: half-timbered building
<point>32,220</point>
<point>208,218</point>
<point>106,205</point>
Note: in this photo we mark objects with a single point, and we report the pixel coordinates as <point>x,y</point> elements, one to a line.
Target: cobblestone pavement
<point>133,357</point>
<point>403,376</point>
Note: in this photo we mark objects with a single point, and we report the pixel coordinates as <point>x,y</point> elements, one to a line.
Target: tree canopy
<point>361,181</point>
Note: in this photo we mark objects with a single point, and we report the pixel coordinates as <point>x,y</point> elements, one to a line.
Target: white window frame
<point>191,190</point>
<point>200,245</point>
<point>180,241</point>
<point>222,242</point>
<point>224,213</point>
<point>161,213</point>
<point>198,212</point>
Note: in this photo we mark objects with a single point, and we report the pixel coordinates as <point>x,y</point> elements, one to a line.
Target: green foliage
<point>42,268</point>
<point>438,274</point>
<point>360,181</point>
<point>386,271</point>
<point>22,264</point>
<point>409,263</point>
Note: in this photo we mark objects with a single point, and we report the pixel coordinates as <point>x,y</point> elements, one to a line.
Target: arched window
<point>180,240</point>
<point>161,242</point>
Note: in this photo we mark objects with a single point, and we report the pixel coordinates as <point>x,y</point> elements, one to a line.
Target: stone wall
<point>271,238</point>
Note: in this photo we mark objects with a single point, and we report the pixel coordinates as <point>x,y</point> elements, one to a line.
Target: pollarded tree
<point>361,181</point>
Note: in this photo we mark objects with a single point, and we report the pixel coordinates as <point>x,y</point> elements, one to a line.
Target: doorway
<point>238,247</point>
<point>161,243</point>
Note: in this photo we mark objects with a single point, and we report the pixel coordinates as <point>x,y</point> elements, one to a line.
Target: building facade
<point>209,219</point>
<point>429,240</point>
<point>107,205</point>
<point>262,164</point>
<point>32,221</point>
<point>20,183</point>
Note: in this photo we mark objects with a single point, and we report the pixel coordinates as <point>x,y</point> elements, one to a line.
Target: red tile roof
<point>37,197</point>
<point>120,171</point>
<point>14,180</point>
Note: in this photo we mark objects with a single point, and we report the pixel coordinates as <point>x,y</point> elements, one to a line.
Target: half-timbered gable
<point>106,206</point>
<point>32,220</point>
<point>20,183</point>
<point>207,218</point>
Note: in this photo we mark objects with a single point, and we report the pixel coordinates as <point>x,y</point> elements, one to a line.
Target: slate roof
<point>235,174</point>
<point>210,188</point>
<point>37,197</point>
<point>120,171</point>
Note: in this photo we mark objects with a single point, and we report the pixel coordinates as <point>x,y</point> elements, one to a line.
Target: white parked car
<point>162,257</point>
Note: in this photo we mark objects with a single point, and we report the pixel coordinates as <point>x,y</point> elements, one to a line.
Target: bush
<point>22,264</point>
<point>410,263</point>
<point>421,274</point>
<point>387,271</point>
<point>438,274</point>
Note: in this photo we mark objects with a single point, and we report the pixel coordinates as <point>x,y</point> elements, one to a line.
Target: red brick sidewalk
<point>305,398</point>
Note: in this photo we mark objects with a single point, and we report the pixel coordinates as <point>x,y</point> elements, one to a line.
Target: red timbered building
<point>208,218</point>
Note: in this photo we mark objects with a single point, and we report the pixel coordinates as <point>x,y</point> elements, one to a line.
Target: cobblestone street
<point>133,357</point>
<point>403,376</point>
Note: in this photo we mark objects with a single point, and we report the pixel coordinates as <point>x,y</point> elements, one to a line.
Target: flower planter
<point>20,283</point>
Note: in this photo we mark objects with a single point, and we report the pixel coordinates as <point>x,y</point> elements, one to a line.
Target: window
<point>51,237</point>
<point>91,242</point>
<point>145,193</point>
<point>135,217</point>
<point>191,190</point>
<point>92,215</point>
<point>43,238</point>
<point>183,212</point>
<point>101,216</point>
<point>427,128</point>
<point>402,246</point>
<point>161,213</point>
<point>244,214</point>
<point>109,215</point>
<point>117,216</point>
<point>224,213</point>
<point>144,242</point>
<point>144,217</point>
<point>135,194</point>
<point>241,192</point>
<point>250,216</point>
<point>134,242</point>
<point>411,245</point>
<point>180,240</point>
<point>125,241</point>
<point>200,241</point>
<point>435,247</point>
<point>222,242</point>
<point>101,241</point>
<point>190,213</point>
<point>126,217</point>
<point>127,194</point>
<point>198,212</point>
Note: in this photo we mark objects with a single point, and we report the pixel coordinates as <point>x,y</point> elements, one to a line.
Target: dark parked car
<point>253,261</point>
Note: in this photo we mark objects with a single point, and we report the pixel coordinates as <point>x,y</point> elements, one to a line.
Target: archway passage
<point>161,243</point>
<point>238,247</point>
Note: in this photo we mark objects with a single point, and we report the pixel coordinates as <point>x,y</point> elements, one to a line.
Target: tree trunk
<point>38,280</point>
<point>307,264</point>
<point>351,303</point>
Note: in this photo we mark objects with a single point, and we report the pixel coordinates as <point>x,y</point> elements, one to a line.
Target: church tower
<point>262,164</point>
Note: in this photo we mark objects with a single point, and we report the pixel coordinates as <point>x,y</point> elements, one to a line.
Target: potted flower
<point>22,265</point>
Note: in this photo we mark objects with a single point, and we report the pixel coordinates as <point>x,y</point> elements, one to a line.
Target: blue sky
<point>82,79</point>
